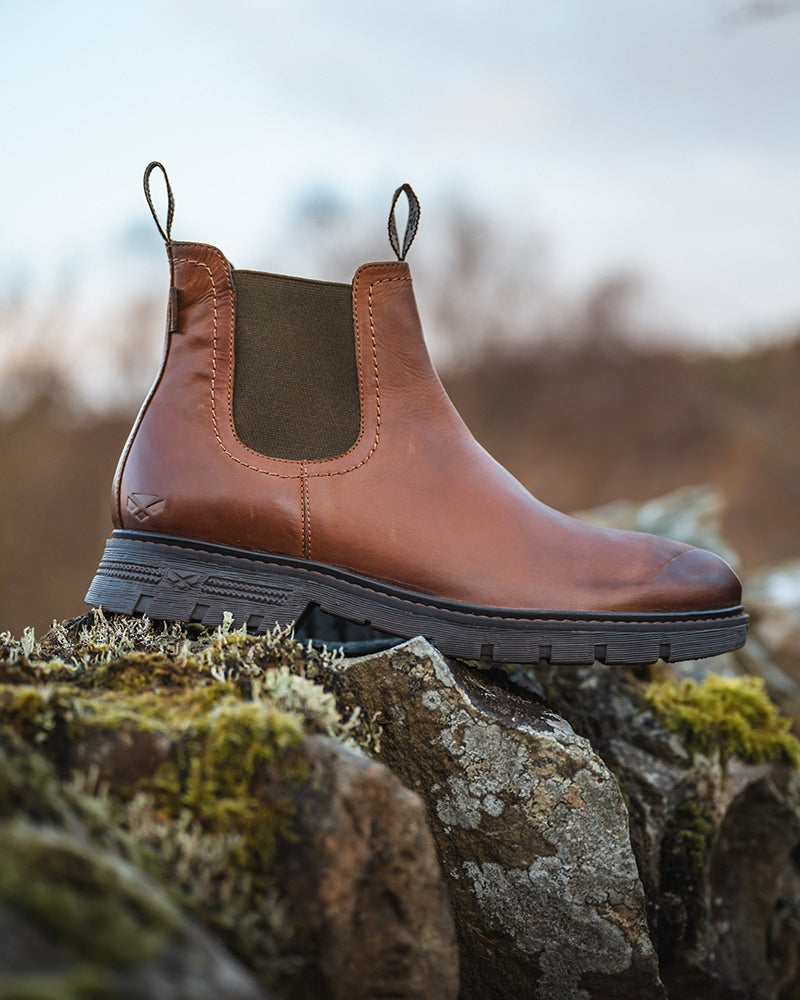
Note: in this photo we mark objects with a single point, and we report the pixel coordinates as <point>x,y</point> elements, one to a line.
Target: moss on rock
<point>177,749</point>
<point>82,983</point>
<point>218,774</point>
<point>725,716</point>
<point>169,673</point>
<point>93,904</point>
<point>689,837</point>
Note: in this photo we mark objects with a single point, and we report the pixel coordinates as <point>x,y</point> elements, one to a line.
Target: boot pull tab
<point>170,200</point>
<point>411,225</point>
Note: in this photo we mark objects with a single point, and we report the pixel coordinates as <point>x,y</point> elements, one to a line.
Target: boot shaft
<point>268,383</point>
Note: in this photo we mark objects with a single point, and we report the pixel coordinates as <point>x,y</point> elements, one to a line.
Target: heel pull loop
<point>170,200</point>
<point>411,225</point>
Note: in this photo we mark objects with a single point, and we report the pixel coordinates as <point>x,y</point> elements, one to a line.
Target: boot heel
<point>182,583</point>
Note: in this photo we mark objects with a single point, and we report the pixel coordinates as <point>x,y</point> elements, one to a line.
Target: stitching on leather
<point>266,472</point>
<point>200,263</point>
<point>669,562</point>
<point>306,511</point>
<point>374,339</point>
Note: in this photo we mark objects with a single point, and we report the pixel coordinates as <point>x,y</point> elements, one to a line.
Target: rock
<point>601,830</point>
<point>773,599</point>
<point>361,885</point>
<point>530,825</point>
<point>79,921</point>
<point>715,837</point>
<point>208,765</point>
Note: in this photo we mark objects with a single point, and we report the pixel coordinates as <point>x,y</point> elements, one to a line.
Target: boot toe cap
<point>696,580</point>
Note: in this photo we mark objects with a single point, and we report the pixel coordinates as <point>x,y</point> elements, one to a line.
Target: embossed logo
<point>142,505</point>
<point>181,579</point>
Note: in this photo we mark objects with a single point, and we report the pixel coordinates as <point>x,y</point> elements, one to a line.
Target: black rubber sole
<point>181,580</point>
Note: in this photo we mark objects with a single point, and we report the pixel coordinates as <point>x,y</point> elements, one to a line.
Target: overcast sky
<point>660,136</point>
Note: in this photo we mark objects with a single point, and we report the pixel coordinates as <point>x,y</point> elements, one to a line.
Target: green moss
<point>197,868</point>
<point>219,773</point>
<point>205,822</point>
<point>75,984</point>
<point>689,838</point>
<point>43,716</point>
<point>692,833</point>
<point>223,748</point>
<point>725,716</point>
<point>169,712</point>
<point>139,671</point>
<point>90,903</point>
<point>136,656</point>
<point>62,867</point>
<point>29,785</point>
<point>226,732</point>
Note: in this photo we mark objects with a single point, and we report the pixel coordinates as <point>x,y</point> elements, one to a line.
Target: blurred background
<point>607,266</point>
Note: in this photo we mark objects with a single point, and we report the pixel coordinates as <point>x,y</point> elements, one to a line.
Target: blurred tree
<point>738,12</point>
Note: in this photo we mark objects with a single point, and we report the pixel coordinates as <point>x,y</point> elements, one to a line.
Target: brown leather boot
<point>297,448</point>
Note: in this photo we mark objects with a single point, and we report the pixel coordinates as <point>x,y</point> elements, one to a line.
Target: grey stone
<point>360,885</point>
<point>772,597</point>
<point>530,825</point>
<point>715,845</point>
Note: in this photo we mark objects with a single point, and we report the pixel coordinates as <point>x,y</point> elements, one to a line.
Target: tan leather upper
<point>416,501</point>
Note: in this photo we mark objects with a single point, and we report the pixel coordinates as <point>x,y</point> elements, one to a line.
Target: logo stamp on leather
<point>142,505</point>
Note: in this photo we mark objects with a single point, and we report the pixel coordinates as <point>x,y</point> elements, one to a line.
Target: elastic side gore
<point>295,390</point>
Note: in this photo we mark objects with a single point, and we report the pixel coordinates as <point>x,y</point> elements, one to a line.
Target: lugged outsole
<point>182,580</point>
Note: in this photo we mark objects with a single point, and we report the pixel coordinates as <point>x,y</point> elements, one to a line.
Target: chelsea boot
<point>297,448</point>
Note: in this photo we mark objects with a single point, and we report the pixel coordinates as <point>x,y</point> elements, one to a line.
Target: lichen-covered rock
<point>708,774</point>
<point>204,762</point>
<point>531,828</point>
<point>587,819</point>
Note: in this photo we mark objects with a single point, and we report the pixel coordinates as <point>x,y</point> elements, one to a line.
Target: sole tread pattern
<point>135,573</point>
